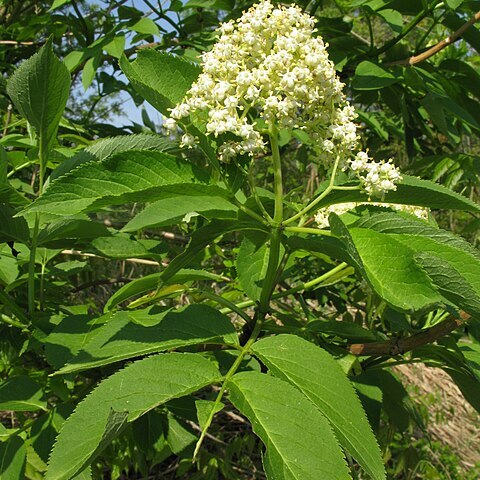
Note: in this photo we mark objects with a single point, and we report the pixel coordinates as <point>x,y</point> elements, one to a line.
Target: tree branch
<point>399,346</point>
<point>439,46</point>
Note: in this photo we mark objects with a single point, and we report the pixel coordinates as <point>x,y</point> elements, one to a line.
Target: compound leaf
<point>121,398</point>
<point>321,379</point>
<point>130,176</point>
<point>125,337</point>
<point>300,444</point>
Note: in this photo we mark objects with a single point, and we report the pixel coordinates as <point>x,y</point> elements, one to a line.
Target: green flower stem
<point>249,212</point>
<point>226,378</point>
<point>316,201</point>
<point>269,283</point>
<point>302,286</point>
<point>251,181</point>
<point>313,231</point>
<point>277,176</point>
<point>271,274</point>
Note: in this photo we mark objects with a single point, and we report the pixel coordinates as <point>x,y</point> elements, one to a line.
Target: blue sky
<point>132,113</point>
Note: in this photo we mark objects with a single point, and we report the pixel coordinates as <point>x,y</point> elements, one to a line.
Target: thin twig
<point>439,46</point>
<point>14,42</point>
<point>399,346</point>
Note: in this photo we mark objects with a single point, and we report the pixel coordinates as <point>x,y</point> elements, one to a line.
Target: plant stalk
<point>33,244</point>
<point>228,376</point>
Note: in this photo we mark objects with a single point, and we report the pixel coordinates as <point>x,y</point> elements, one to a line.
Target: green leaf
<point>371,397</point>
<point>58,3</point>
<point>126,337</point>
<point>344,329</point>
<point>39,89</point>
<point>117,246</point>
<point>147,26</point>
<point>106,147</point>
<point>389,267</point>
<point>73,59</point>
<point>73,229</point>
<point>330,246</point>
<point>252,263</point>
<point>69,337</point>
<point>450,283</point>
<point>370,76</point>
<point>453,4</point>
<point>21,394</point>
<point>204,410</point>
<point>129,393</point>
<point>149,283</point>
<point>89,71</point>
<point>131,176</point>
<point>116,47</point>
<point>12,458</point>
<point>394,18</point>
<point>459,277</point>
<point>453,362</point>
<point>300,444</point>
<point>12,229</point>
<point>411,191</point>
<point>384,247</point>
<point>180,438</point>
<point>202,237</point>
<point>320,378</point>
<point>396,402</point>
<point>161,78</point>
<point>148,432</point>
<point>210,201</point>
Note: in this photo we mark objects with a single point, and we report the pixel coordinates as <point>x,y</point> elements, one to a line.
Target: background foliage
<point>94,312</point>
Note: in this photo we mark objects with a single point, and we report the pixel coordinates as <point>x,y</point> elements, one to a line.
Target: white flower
<point>170,125</point>
<point>321,217</point>
<point>270,61</point>
<point>187,141</point>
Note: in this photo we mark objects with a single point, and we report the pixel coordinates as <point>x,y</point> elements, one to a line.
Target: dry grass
<point>452,421</point>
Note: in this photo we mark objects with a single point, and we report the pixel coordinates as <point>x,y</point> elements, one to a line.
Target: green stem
<point>33,244</point>
<point>249,211</point>
<point>302,286</point>
<point>31,267</point>
<point>314,231</point>
<point>268,285</point>
<point>251,181</point>
<point>277,176</point>
<point>226,378</point>
<point>13,323</point>
<point>222,301</point>
<point>316,201</point>
<point>271,274</point>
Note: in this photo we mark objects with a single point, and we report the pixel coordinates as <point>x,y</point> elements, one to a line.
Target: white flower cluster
<point>321,217</point>
<point>377,177</point>
<point>270,64</point>
<point>268,60</point>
